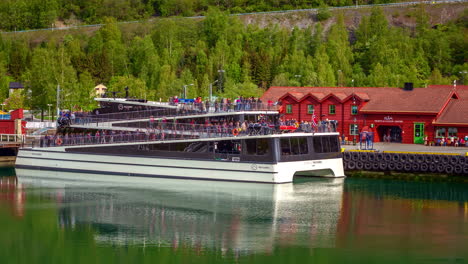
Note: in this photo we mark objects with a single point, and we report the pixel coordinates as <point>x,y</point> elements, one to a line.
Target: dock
<point>9,145</point>
<point>408,158</point>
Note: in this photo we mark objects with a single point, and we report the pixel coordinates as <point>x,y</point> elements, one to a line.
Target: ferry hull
<point>155,167</point>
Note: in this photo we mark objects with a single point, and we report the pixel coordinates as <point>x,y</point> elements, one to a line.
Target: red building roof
<point>449,104</point>
<point>456,113</point>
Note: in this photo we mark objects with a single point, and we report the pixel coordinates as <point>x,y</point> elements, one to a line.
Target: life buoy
<point>58,141</point>
<point>235,132</point>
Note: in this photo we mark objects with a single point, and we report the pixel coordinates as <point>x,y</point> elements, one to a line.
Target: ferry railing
<point>176,131</point>
<point>181,110</point>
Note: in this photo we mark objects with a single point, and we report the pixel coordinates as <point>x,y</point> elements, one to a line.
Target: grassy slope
<point>397,16</point>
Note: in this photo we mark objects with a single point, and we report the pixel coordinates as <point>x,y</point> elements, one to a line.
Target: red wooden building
<point>394,114</point>
<point>8,125</point>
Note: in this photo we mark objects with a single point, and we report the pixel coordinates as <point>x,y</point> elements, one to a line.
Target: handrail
<point>181,110</point>
<point>12,138</point>
<point>176,131</point>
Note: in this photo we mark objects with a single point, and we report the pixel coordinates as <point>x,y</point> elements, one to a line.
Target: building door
<point>418,133</point>
<point>389,134</point>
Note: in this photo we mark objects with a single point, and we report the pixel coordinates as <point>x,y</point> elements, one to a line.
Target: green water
<point>46,220</point>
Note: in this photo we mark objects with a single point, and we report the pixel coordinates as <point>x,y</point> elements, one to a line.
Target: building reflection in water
<point>225,216</point>
<point>430,218</point>
<point>12,194</point>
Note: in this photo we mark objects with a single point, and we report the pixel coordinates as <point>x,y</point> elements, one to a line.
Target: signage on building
<point>388,119</point>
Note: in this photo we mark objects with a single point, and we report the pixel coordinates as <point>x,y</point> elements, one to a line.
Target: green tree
<point>136,86</point>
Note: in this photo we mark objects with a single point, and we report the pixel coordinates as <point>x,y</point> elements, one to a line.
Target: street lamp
<point>298,76</point>
<point>185,89</point>
<point>58,100</point>
<point>211,89</point>
<point>340,73</point>
<point>49,105</point>
<point>220,78</point>
<point>463,76</point>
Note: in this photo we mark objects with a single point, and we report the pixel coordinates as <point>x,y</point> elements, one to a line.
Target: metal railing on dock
<point>12,138</point>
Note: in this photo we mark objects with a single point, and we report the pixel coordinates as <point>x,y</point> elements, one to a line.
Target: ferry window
<point>452,131</point>
<point>262,146</point>
<point>228,147</point>
<point>251,145</point>
<point>334,144</point>
<point>302,141</point>
<point>288,109</point>
<point>310,109</point>
<point>354,109</point>
<point>331,109</point>
<point>199,147</point>
<point>353,129</point>
<point>294,146</point>
<point>318,147</point>
<point>257,146</point>
<point>160,147</point>
<point>326,144</point>
<point>179,147</point>
<point>440,132</point>
<point>285,146</point>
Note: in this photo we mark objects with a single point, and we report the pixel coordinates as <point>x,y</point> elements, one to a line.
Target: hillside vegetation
<point>157,59</point>
<point>34,14</point>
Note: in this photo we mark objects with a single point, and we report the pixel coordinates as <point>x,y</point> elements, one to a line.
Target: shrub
<point>323,14</point>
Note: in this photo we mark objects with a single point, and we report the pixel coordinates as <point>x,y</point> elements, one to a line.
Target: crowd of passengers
<point>224,104</point>
<point>448,141</point>
<point>167,129</point>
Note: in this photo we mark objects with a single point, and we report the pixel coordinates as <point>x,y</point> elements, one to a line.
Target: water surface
<point>81,218</point>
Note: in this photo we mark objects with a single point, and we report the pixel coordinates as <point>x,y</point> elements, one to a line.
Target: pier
<point>407,158</point>
<point>9,145</point>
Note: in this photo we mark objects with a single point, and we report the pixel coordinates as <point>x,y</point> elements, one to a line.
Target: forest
<point>156,60</point>
<point>33,14</point>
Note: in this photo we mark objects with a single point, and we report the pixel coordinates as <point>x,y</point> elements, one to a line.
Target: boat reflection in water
<point>242,217</point>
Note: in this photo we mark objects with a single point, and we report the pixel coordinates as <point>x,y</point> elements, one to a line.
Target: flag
<point>314,120</point>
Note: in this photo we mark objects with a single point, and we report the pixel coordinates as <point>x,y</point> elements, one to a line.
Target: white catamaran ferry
<point>139,138</point>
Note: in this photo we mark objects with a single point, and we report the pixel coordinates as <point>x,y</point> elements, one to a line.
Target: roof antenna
<point>126,92</point>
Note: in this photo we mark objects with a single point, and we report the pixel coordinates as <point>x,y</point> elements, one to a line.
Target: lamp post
<point>211,90</point>
<point>185,89</point>
<point>221,79</point>
<point>463,76</point>
<point>58,100</point>
<point>298,76</point>
<point>340,73</point>
<point>49,105</point>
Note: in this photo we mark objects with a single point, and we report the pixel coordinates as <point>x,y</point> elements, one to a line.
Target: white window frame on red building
<point>330,109</point>
<point>353,129</point>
